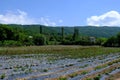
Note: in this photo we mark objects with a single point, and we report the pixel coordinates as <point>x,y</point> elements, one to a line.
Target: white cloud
<point>45,21</point>
<point>21,17</point>
<point>111,18</point>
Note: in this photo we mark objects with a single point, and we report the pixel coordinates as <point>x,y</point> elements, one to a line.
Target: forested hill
<point>83,30</point>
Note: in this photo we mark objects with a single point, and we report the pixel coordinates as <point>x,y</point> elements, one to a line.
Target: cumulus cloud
<point>21,17</point>
<point>111,18</point>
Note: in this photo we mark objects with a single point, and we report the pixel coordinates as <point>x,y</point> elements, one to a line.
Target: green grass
<point>62,78</point>
<point>67,51</point>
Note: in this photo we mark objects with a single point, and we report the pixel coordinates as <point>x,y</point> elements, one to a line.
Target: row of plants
<point>28,65</point>
<point>104,70</point>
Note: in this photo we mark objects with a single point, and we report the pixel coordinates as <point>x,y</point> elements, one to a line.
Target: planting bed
<point>58,67</point>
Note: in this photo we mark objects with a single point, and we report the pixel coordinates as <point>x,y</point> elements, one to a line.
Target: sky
<point>61,12</point>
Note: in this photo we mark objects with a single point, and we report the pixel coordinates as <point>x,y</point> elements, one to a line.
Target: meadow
<point>68,51</point>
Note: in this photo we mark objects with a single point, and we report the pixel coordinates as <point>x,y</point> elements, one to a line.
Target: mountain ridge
<point>94,31</point>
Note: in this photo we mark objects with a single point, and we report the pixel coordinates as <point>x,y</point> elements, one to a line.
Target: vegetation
<point>73,75</point>
<point>13,36</point>
<point>18,39</point>
<point>83,30</point>
<point>62,78</point>
<point>16,36</point>
<point>66,51</point>
<point>97,77</point>
<point>26,35</point>
<point>2,76</point>
<point>113,41</point>
<point>39,39</point>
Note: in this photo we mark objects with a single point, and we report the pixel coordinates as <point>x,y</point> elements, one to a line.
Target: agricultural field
<point>59,63</point>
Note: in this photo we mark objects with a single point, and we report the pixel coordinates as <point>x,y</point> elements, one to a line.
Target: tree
<point>101,41</point>
<point>75,34</point>
<point>3,34</point>
<point>41,29</point>
<point>118,39</point>
<point>111,42</point>
<point>62,32</point>
<point>6,33</point>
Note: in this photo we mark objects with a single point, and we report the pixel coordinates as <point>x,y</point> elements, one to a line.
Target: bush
<point>39,39</point>
<point>2,76</point>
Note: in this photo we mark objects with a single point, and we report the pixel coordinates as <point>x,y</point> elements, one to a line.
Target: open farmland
<point>59,63</point>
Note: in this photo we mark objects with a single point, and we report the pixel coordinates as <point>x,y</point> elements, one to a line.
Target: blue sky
<point>61,12</point>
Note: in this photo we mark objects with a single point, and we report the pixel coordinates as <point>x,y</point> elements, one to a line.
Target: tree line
<point>113,41</point>
<point>16,36</point>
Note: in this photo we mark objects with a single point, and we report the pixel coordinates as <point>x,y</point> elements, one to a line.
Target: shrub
<point>39,39</point>
<point>2,76</point>
<point>45,70</point>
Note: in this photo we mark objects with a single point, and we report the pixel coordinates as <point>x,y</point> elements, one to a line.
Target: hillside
<point>83,30</point>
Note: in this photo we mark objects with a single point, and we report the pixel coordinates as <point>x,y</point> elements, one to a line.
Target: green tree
<point>101,41</point>
<point>6,33</point>
<point>62,32</point>
<point>75,34</point>
<point>13,35</point>
<point>112,41</point>
<point>118,39</point>
<point>39,39</point>
<point>41,27</point>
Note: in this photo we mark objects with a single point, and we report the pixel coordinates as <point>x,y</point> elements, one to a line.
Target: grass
<point>67,51</point>
<point>100,66</point>
<point>62,78</point>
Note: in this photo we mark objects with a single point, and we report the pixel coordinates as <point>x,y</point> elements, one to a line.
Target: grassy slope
<point>67,51</point>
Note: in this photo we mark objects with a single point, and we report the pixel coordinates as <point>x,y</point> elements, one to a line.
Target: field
<point>59,63</point>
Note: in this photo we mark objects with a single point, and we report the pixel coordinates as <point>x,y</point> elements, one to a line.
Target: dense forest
<point>26,35</point>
